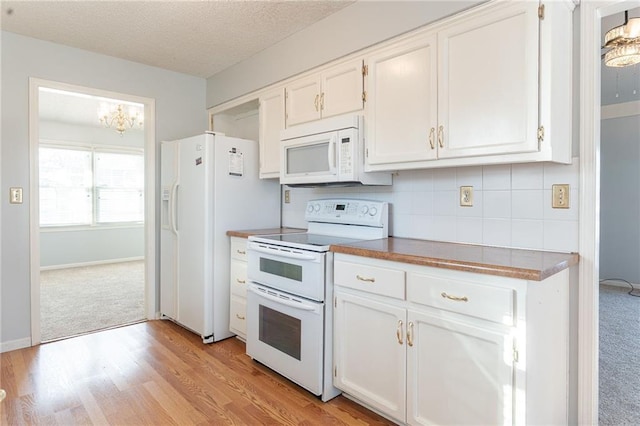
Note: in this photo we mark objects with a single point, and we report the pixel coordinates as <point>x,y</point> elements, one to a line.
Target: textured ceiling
<point>199,38</point>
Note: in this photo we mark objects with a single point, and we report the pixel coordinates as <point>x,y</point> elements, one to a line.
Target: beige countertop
<point>515,263</point>
<point>266,231</point>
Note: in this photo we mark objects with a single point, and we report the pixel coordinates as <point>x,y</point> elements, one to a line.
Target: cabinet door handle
<point>365,279</point>
<point>240,317</point>
<point>241,252</point>
<point>441,136</point>
<point>399,332</point>
<point>410,333</point>
<point>431,136</point>
<point>239,281</point>
<point>454,298</point>
<point>316,102</point>
<point>322,102</point>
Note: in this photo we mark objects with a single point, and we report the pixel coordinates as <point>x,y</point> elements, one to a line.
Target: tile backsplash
<point>511,205</point>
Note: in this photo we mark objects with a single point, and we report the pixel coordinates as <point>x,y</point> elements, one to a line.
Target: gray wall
<point>620,204</point>
<point>360,25</point>
<point>180,111</point>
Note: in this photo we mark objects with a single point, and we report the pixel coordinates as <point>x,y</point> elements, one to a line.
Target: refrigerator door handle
<point>172,208</point>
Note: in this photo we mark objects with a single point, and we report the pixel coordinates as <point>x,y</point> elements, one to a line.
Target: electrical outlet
<point>466,196</point>
<point>287,196</point>
<point>560,196</point>
<point>15,195</point>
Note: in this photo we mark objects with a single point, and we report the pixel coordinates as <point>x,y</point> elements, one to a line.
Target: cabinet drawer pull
<point>241,252</point>
<point>240,317</point>
<point>399,332</point>
<point>316,102</point>
<point>441,136</point>
<point>431,135</point>
<point>410,333</point>
<point>239,281</point>
<point>322,102</point>
<point>365,279</point>
<point>454,298</point>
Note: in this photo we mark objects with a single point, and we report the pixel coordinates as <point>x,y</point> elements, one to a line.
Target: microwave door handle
<point>286,254</point>
<point>295,305</point>
<point>332,154</point>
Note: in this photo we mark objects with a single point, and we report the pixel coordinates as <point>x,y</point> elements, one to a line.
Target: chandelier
<point>624,42</point>
<point>120,119</point>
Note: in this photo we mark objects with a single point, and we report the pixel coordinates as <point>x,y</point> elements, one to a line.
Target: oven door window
<point>280,331</point>
<point>281,269</point>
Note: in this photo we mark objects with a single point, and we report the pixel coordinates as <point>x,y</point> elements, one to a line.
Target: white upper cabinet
<point>488,82</point>
<point>271,124</point>
<point>334,91</point>
<point>487,86</point>
<point>402,99</point>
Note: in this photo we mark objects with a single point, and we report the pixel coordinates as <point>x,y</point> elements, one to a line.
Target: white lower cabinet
<point>238,287</point>
<point>430,346</point>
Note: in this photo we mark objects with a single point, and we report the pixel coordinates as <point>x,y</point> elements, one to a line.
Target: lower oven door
<point>285,333</point>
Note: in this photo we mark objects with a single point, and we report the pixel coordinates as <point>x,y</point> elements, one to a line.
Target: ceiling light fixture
<point>624,42</point>
<point>120,119</point>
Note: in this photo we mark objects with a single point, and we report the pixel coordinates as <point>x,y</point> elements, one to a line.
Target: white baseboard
<point>94,263</point>
<point>15,344</point>
<point>616,283</point>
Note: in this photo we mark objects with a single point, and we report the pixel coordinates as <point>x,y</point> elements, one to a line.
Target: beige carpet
<point>89,298</point>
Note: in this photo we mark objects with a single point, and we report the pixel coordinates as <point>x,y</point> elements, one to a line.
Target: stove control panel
<point>348,211</point>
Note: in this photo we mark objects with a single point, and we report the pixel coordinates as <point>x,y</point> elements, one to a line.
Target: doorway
<point>92,215</point>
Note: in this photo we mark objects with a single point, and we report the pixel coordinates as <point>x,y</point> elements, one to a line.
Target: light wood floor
<point>157,373</point>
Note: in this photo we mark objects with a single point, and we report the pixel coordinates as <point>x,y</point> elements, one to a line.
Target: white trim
<point>591,13</point>
<point>150,193</point>
<point>12,345</point>
<point>625,109</point>
<point>93,263</point>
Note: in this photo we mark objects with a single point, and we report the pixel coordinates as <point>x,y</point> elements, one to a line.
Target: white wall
<point>180,111</point>
<point>359,25</point>
<point>512,205</point>
<point>620,204</point>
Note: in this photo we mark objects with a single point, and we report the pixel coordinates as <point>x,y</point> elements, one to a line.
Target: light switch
<point>15,195</point>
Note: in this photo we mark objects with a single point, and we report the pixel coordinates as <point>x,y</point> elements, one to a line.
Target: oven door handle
<point>283,253</point>
<point>284,302</point>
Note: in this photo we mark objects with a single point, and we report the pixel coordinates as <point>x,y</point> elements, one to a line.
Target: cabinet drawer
<point>491,303</point>
<point>372,279</point>
<point>239,248</point>
<point>237,318</point>
<point>238,278</point>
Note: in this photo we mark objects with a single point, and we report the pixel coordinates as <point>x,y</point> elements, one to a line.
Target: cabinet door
<point>401,110</point>
<point>488,82</point>
<point>457,373</point>
<point>342,89</point>
<point>303,100</point>
<point>369,353</point>
<point>271,123</point>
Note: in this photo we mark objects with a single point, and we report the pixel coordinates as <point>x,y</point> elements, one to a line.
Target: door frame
<point>149,203</point>
<point>591,14</point>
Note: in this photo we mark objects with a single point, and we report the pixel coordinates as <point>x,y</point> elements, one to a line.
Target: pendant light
<point>624,42</point>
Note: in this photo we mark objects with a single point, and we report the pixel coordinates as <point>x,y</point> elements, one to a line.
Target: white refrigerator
<point>209,185</point>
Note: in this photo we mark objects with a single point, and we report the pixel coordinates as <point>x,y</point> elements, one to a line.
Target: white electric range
<point>289,309</point>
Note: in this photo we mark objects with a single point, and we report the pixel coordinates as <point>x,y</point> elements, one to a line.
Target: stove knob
<point>310,208</point>
<point>364,209</point>
<point>373,211</point>
<point>316,207</point>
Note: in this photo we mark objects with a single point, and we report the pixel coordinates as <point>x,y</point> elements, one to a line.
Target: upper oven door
<point>310,159</point>
<point>294,271</point>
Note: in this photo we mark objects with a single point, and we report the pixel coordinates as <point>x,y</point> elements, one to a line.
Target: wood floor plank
<point>157,373</point>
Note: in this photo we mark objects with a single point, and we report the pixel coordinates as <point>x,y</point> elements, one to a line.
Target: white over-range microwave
<point>327,152</point>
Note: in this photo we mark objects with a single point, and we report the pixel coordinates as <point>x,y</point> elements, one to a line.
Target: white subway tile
<point>473,211</point>
<point>403,181</point>
<point>422,180</point>
<point>402,202</point>
<point>561,214</point>
<point>444,179</point>
<point>469,230</point>
<point>422,203</point>
<point>555,173</point>
<point>444,228</point>
<point>469,176</point>
<point>561,235</point>
<point>444,203</point>
<point>496,232</point>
